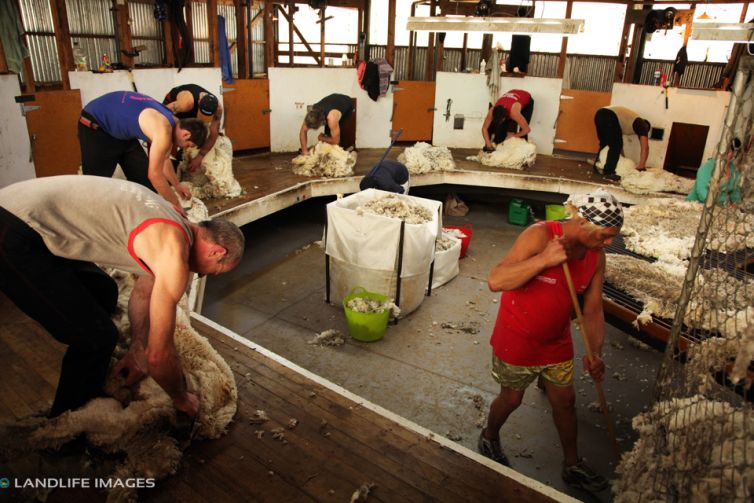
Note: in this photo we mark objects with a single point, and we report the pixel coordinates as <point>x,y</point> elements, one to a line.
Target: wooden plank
<point>289,18</point>
<point>390,52</point>
<point>62,40</point>
<point>213,31</point>
<point>123,32</point>
<point>55,150</point>
<point>246,122</point>
<point>576,120</point>
<point>412,109</point>
<point>564,43</point>
<point>269,39</point>
<point>241,39</point>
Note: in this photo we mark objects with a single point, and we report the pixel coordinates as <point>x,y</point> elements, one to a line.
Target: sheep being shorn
<point>646,182</point>
<point>214,178</point>
<point>423,158</point>
<point>325,160</point>
<point>513,153</point>
<point>138,426</point>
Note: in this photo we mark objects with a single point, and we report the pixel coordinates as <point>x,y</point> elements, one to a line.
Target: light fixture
<point>723,32</point>
<point>525,25</point>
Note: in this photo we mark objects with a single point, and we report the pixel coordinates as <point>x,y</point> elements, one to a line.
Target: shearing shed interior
<point>376,250</point>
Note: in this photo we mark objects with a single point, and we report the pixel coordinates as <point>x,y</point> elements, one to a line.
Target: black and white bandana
<point>599,207</point>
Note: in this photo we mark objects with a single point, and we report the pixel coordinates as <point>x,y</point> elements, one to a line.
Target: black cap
<point>208,104</point>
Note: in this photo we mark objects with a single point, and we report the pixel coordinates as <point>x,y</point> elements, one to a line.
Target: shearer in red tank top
<point>532,334</point>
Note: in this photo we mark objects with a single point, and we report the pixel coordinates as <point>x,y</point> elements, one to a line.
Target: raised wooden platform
<point>270,185</point>
<point>341,441</point>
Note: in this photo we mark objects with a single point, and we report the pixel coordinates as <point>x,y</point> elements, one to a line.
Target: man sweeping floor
<point>532,334</point>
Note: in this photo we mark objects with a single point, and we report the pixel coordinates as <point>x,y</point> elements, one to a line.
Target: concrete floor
<point>420,370</point>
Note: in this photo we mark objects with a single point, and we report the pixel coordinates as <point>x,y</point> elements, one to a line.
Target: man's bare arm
<point>485,127</point>
<point>531,253</point>
<point>644,145</point>
<point>521,121</point>
<point>302,138</point>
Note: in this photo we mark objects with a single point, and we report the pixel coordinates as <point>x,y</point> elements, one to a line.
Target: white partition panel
<point>691,106</point>
<point>15,148</point>
<point>470,97</point>
<point>292,89</point>
<point>155,82</point>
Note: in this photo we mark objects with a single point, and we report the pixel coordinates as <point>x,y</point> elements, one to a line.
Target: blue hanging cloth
<point>225,65</point>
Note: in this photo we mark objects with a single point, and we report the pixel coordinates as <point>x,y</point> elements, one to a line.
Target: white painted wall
<point>292,89</point>
<point>471,97</point>
<point>155,82</point>
<point>691,106</point>
<point>14,137</point>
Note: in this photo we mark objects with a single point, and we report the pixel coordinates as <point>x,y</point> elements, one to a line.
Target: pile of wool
<point>138,425</point>
<point>689,449</point>
<point>397,206</point>
<point>369,306</point>
<point>423,157</point>
<point>513,153</point>
<point>329,337</point>
<point>325,160</point>
<point>656,285</point>
<point>444,243</point>
<point>214,178</point>
<point>195,209</point>
<point>648,181</point>
<point>661,226</point>
<point>732,229</point>
<point>714,354</point>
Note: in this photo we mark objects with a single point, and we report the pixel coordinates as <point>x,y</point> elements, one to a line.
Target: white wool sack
<point>325,160</point>
<point>423,158</point>
<point>446,260</point>
<point>214,178</point>
<point>648,181</point>
<point>513,153</point>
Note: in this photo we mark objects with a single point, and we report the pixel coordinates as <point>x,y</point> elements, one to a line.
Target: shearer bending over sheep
<point>52,232</point>
<point>612,123</point>
<point>332,112</point>
<point>513,109</point>
<point>187,102</point>
<point>532,334</point>
<point>110,128</point>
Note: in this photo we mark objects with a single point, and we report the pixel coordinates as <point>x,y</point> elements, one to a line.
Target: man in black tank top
<point>332,112</point>
<point>188,101</point>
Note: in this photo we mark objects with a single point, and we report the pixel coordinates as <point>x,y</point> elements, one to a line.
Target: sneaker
<point>597,171</point>
<point>611,176</point>
<point>580,476</point>
<point>491,449</point>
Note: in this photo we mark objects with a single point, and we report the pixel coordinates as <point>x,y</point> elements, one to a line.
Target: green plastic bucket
<point>366,327</point>
<point>554,212</point>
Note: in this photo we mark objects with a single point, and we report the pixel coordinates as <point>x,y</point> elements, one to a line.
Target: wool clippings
<point>513,153</point>
<point>331,338</point>
<point>325,160</point>
<point>368,306</point>
<point>648,181</point>
<point>395,206</point>
<point>214,178</point>
<point>423,158</point>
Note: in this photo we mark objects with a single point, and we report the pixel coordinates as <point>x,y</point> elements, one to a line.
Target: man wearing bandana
<point>532,334</point>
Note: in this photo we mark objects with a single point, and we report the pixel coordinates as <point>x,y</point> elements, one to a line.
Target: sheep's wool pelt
<point>423,157</point>
<point>395,206</point>
<point>513,153</point>
<point>325,160</point>
<point>689,449</point>
<point>646,182</point>
<point>139,428</point>
<point>214,178</point>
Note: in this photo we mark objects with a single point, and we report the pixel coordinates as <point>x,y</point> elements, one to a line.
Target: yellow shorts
<point>520,377</point>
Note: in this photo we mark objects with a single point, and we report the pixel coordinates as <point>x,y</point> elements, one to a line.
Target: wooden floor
<point>340,442</point>
<point>270,185</point>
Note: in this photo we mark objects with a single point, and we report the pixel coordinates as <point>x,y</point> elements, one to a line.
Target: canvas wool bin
<point>446,262</point>
<point>363,249</point>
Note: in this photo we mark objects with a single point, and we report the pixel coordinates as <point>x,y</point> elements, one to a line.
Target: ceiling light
<point>497,24</point>
<point>723,32</point>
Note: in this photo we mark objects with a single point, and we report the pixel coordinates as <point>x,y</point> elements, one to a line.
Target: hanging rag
<point>225,64</point>
<point>681,60</point>
<point>371,81</point>
<point>360,69</point>
<point>11,36</point>
<point>183,47</point>
<point>493,79</point>
<point>384,70</point>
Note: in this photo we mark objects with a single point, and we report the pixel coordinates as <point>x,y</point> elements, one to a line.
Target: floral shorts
<point>519,377</point>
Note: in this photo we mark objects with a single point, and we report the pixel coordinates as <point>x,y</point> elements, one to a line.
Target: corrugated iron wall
<point>589,73</point>
<point>257,40</point>
<point>697,75</point>
<point>200,32</point>
<point>146,30</point>
<point>92,25</point>
<point>37,19</point>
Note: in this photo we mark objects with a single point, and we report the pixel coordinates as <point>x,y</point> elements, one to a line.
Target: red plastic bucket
<point>466,240</point>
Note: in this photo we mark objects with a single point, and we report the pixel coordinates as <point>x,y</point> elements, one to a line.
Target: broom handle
<point>590,356</point>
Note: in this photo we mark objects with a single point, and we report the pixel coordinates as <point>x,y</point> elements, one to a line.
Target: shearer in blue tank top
<point>110,128</point>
